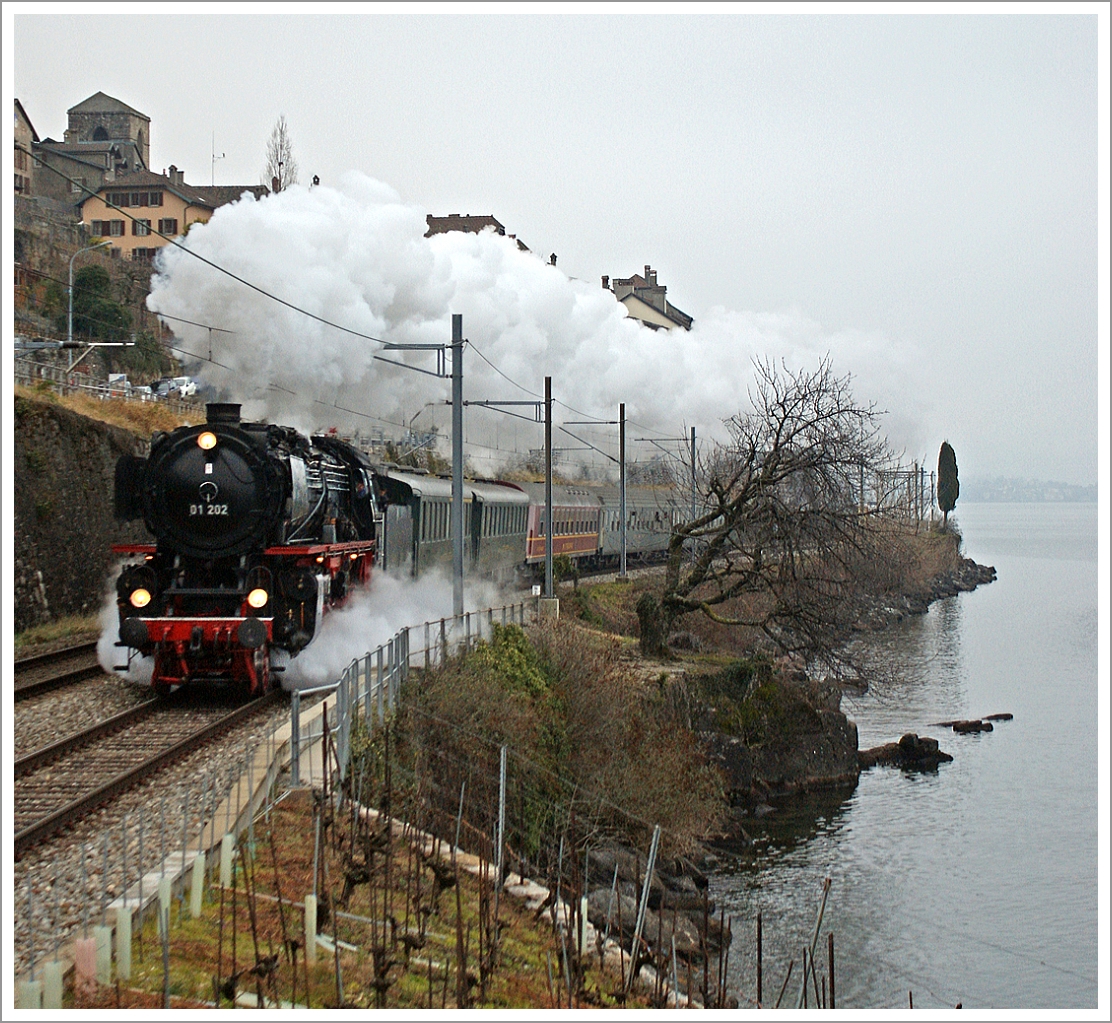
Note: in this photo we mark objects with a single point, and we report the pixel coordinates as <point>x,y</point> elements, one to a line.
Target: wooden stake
<point>830,966</point>
<point>785,985</point>
<point>760,964</point>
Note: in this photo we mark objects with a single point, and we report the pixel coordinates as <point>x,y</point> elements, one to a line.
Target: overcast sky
<point>925,183</point>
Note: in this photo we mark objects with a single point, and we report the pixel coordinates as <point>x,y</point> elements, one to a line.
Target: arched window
<point>100,134</point>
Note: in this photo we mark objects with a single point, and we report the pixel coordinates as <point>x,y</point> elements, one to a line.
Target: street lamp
<point>88,248</point>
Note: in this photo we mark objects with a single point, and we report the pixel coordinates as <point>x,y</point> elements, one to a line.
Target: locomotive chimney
<point>223,412</point>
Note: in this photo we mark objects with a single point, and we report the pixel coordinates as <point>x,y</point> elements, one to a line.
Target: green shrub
<point>511,659</point>
<point>585,737</point>
<point>580,604</point>
<point>752,701</point>
<point>777,710</point>
<point>735,680</point>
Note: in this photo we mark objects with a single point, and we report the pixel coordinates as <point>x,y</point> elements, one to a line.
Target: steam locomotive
<point>261,532</point>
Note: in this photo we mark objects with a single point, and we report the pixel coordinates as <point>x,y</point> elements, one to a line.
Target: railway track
<point>59,784</point>
<point>55,670</point>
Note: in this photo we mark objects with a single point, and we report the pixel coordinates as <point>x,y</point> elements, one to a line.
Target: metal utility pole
<point>457,464</point>
<point>622,483</point>
<point>215,157</point>
<point>548,486</point>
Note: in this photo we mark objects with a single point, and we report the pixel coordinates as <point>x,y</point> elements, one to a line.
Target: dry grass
<point>585,732</point>
<point>933,554</point>
<point>34,639</point>
<point>140,417</point>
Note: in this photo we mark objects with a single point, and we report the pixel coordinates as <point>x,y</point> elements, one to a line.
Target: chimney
<point>226,413</point>
<point>176,176</point>
<point>606,282</point>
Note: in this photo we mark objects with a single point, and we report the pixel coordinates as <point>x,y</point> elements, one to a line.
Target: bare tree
<point>784,544</point>
<point>281,168</point>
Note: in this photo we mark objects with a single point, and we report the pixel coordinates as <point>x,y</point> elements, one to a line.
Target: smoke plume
<point>373,616</point>
<point>356,255</point>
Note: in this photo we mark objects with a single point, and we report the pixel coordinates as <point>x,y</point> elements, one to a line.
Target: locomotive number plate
<point>208,509</point>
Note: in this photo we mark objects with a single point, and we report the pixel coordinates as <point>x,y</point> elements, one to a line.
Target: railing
<point>58,378</point>
<point>369,685</point>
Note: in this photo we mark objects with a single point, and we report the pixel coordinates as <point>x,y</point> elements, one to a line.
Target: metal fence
<point>31,373</point>
<point>905,493</point>
<point>368,688</point>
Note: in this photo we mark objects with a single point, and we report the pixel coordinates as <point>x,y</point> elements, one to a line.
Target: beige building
<point>646,301</point>
<point>135,211</point>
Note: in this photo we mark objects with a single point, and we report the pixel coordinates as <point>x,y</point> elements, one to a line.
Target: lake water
<point>976,884</point>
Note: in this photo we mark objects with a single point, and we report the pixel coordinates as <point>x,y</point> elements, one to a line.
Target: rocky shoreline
<point>816,746</point>
<point>679,905</point>
<point>965,578</point>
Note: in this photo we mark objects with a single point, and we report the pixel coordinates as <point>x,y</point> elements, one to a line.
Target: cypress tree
<point>947,481</point>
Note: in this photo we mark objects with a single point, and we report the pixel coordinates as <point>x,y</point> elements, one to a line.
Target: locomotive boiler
<point>259,532</point>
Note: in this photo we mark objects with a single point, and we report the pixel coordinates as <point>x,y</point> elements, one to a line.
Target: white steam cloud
<point>373,616</point>
<point>109,655</point>
<point>356,255</point>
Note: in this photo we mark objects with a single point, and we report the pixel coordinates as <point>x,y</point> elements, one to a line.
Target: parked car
<point>175,387</point>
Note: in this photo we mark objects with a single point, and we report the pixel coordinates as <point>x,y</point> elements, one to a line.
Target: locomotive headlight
<point>206,441</point>
<point>140,597</point>
<point>257,598</point>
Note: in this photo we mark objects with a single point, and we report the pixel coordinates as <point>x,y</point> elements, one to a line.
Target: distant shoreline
<point>1027,500</point>
<point>1026,492</point>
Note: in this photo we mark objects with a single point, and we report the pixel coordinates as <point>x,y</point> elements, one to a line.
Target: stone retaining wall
<point>64,469</point>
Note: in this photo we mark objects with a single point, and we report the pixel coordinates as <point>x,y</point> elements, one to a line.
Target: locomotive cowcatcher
<point>259,532</point>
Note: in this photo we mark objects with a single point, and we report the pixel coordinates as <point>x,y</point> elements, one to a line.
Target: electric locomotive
<point>259,531</point>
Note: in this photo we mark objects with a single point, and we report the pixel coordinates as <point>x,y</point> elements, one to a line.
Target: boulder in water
<point>912,753</point>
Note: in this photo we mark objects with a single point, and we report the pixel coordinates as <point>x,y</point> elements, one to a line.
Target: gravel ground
<point>53,870</point>
<point>41,720</point>
<point>34,649</point>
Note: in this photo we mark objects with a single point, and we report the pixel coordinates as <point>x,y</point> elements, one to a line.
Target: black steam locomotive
<point>260,531</point>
